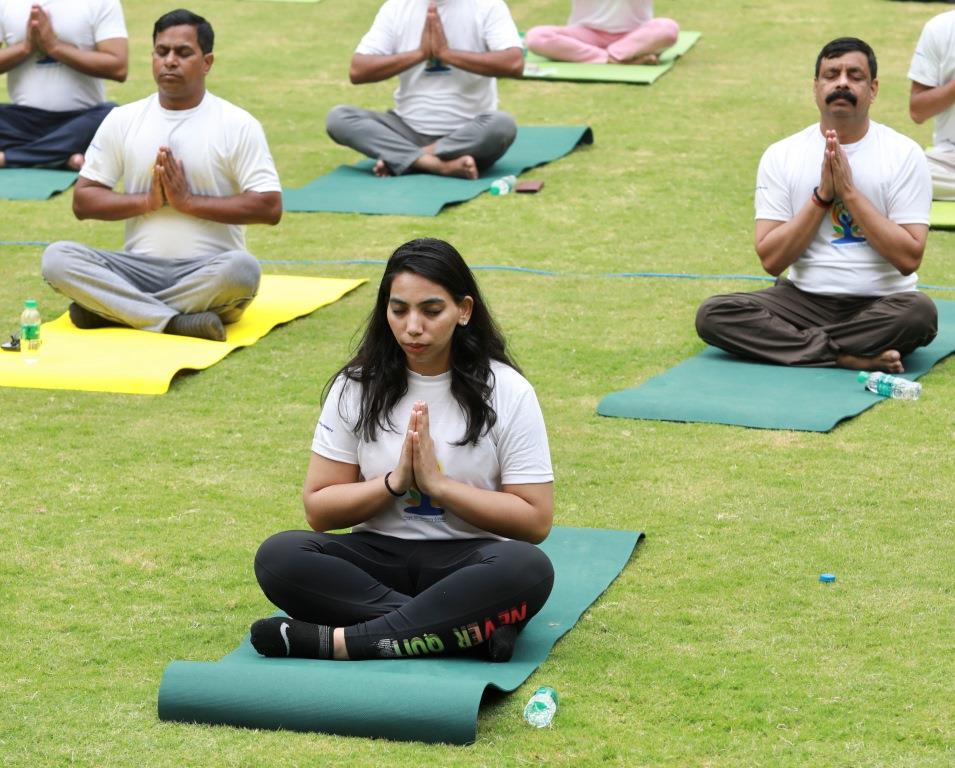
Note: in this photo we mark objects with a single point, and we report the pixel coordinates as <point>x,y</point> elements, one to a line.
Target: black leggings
<point>398,597</point>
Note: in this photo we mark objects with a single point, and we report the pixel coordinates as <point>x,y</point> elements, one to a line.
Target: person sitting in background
<point>932,95</point>
<point>447,57</point>
<point>844,205</point>
<point>195,169</point>
<point>55,57</point>
<point>606,32</point>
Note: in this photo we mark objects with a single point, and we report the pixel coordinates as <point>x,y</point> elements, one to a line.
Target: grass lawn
<point>128,524</point>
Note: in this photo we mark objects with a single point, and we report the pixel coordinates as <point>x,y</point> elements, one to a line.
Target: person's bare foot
<point>463,167</point>
<point>75,162</point>
<point>381,169</point>
<point>646,58</point>
<point>889,361</point>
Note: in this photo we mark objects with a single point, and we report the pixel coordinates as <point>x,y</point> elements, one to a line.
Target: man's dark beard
<point>847,95</point>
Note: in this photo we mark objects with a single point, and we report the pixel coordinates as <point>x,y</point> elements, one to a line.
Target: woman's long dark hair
<point>380,366</point>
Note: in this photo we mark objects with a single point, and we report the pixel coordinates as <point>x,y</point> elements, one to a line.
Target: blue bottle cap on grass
<point>827,578</point>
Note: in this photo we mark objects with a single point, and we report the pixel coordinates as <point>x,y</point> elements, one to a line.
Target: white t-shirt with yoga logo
<point>432,97</point>
<point>610,15</point>
<point>514,452</point>
<point>933,64</point>
<point>223,150</point>
<point>887,167</point>
<point>43,82</point>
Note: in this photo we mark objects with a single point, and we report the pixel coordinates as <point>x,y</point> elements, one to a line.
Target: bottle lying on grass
<point>890,386</point>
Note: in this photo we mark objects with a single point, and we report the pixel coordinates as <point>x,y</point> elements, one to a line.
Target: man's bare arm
<point>372,68</point>
<point>110,58</point>
<point>926,102</point>
<point>92,200</point>
<point>506,63</point>
<point>13,55</point>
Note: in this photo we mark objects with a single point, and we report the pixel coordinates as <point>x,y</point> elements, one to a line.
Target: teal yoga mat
<point>431,700</point>
<point>541,68</point>
<point>355,189</point>
<point>34,183</point>
<point>718,388</point>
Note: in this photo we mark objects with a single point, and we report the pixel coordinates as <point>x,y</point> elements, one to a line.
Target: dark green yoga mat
<point>355,189</point>
<point>541,68</point>
<point>718,388</point>
<point>34,183</point>
<point>432,700</point>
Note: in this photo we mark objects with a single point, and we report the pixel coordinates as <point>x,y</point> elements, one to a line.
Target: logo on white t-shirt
<point>421,508</point>
<point>846,230</point>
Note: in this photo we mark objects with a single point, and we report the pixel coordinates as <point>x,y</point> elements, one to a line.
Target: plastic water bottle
<point>540,710</point>
<point>504,185</point>
<point>890,386</point>
<point>30,331</point>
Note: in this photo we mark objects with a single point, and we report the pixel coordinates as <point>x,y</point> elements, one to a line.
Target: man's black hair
<point>843,45</point>
<point>204,33</point>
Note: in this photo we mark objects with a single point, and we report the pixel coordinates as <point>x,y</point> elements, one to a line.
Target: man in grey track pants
<point>447,55</point>
<point>194,170</point>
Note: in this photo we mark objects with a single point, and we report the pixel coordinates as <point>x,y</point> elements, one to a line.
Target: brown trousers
<point>788,326</point>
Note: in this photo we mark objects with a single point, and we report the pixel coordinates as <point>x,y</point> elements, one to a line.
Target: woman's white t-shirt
<point>514,451</point>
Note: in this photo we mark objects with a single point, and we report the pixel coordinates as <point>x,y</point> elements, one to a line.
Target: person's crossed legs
<point>398,149</point>
<point>189,297</point>
<point>787,326</point>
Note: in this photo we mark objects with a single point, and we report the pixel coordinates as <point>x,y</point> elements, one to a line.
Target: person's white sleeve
<point>523,450</point>
<point>109,21</point>
<point>500,31</point>
<point>251,160</point>
<point>925,67</point>
<point>104,162</point>
<point>335,436</point>
<point>773,200</point>
<point>910,194</point>
<point>382,38</point>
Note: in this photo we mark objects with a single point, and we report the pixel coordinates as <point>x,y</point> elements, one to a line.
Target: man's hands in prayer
<point>433,40</point>
<point>836,178</point>
<point>169,184</point>
<point>40,34</point>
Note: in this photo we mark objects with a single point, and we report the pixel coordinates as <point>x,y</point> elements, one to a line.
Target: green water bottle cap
<point>863,376</point>
<point>30,304</point>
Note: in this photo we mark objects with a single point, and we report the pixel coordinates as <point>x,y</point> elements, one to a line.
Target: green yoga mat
<point>942,215</point>
<point>541,68</point>
<point>718,388</point>
<point>34,183</point>
<point>355,189</point>
<point>431,700</point>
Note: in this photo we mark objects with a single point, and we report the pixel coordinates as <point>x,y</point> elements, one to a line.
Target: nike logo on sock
<point>283,630</point>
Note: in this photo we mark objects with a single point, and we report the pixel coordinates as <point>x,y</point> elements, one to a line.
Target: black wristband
<point>821,200</point>
<point>391,490</point>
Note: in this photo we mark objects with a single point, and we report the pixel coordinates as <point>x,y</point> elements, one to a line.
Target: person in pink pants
<point>606,32</point>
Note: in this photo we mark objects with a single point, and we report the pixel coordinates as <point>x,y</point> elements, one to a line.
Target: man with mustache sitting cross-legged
<point>844,205</point>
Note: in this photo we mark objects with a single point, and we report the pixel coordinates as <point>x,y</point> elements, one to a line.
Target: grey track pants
<point>145,291</point>
<point>385,136</point>
<point>788,326</point>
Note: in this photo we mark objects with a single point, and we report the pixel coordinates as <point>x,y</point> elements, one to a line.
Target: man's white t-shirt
<point>887,167</point>
<point>43,82</point>
<point>434,98</point>
<point>515,451</point>
<point>224,152</point>
<point>933,64</point>
<point>610,15</point>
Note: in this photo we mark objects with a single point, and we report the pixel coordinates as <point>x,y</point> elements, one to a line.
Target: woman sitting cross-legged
<point>606,32</point>
<point>431,446</point>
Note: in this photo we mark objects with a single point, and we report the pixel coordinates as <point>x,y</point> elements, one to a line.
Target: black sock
<point>283,636</point>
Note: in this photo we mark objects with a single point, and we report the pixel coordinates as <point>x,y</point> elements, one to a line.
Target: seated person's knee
<point>337,119</point>
<point>55,261</point>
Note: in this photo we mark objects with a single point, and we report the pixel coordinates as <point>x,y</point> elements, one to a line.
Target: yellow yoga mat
<point>127,361</point>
